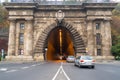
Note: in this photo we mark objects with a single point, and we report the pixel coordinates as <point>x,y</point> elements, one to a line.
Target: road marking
<point>111,71</point>
<point>40,63</point>
<point>61,70</point>
<point>65,73</point>
<point>33,65</point>
<point>37,64</point>
<point>24,67</point>
<point>3,69</point>
<point>56,73</point>
<point>11,71</point>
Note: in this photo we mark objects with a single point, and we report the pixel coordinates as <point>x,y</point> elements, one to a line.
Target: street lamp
<point>45,49</point>
<point>45,53</point>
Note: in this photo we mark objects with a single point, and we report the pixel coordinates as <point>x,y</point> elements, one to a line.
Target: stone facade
<point>84,22</point>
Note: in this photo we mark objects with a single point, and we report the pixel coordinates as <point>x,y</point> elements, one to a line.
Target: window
<point>98,39</point>
<point>98,52</point>
<point>97,26</point>
<point>22,25</point>
<point>21,38</point>
<point>78,57</point>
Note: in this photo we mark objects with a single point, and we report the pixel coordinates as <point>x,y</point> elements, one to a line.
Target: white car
<point>70,59</point>
<point>85,61</point>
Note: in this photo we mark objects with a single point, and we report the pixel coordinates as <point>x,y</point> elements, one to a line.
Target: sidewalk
<point>10,62</point>
<point>108,61</point>
<point>97,61</point>
<point>17,62</point>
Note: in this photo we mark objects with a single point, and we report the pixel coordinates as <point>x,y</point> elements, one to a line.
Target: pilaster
<point>28,38</point>
<point>106,39</point>
<point>17,38</point>
<point>11,42</point>
<point>90,37</point>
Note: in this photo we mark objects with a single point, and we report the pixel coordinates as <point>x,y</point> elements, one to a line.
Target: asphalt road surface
<point>57,71</point>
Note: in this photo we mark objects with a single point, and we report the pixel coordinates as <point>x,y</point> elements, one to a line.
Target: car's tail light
<point>81,60</point>
<point>93,60</point>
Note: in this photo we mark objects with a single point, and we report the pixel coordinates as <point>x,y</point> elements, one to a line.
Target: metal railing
<point>45,2</point>
<point>63,2</point>
<point>59,2</point>
<point>21,1</point>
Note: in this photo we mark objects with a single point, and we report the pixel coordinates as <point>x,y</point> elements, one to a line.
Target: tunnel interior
<point>59,44</point>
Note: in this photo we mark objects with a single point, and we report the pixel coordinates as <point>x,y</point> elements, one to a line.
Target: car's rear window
<point>71,56</point>
<point>87,57</point>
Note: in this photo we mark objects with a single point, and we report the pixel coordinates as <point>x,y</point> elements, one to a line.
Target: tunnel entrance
<point>59,44</point>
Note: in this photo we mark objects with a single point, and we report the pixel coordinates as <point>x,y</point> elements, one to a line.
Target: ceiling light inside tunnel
<point>60,33</point>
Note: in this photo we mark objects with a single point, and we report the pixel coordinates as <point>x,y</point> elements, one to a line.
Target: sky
<point>9,0</point>
<point>3,0</point>
<point>117,0</point>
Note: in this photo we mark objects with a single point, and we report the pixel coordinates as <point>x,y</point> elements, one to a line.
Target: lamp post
<point>45,53</point>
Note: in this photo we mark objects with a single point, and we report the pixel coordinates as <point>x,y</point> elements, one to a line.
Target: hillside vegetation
<point>3,29</point>
<point>3,17</point>
<point>116,32</point>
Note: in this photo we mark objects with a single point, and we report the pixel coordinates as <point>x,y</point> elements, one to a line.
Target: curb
<point>18,62</point>
<point>109,62</point>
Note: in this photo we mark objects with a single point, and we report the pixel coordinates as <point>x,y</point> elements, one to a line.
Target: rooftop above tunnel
<point>56,7</point>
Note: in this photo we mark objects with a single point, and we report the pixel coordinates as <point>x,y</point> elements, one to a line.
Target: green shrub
<point>0,57</point>
<point>116,51</point>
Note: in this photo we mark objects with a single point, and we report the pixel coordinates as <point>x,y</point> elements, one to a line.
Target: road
<point>57,71</point>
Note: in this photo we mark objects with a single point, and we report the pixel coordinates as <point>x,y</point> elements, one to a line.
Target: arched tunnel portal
<point>60,44</point>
